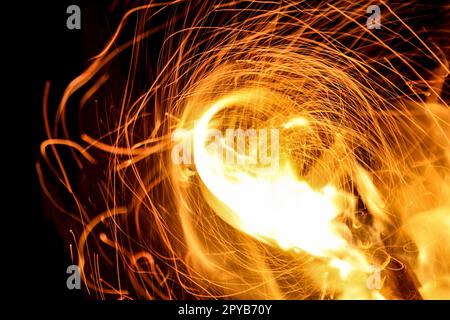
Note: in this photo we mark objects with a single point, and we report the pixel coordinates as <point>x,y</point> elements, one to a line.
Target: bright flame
<point>271,203</point>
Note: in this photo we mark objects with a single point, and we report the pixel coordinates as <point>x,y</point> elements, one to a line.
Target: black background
<point>58,55</point>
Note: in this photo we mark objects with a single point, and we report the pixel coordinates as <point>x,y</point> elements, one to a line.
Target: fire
<point>272,203</point>
<point>269,203</point>
<point>281,161</point>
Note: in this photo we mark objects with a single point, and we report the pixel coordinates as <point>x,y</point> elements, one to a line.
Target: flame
<point>269,203</point>
<point>339,189</point>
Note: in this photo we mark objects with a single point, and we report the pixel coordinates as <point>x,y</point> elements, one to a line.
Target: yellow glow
<point>275,205</point>
<point>272,204</point>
